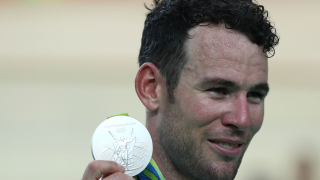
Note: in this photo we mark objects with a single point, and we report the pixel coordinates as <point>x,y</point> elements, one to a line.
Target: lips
<point>226,147</point>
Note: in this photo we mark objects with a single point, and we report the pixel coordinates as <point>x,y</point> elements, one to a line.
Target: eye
<point>255,97</point>
<point>219,93</point>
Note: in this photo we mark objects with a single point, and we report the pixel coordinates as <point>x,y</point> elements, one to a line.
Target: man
<point>203,79</point>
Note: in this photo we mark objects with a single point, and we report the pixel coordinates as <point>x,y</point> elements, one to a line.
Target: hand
<point>106,170</point>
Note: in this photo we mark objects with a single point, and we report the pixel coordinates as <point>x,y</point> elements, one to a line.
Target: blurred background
<point>66,65</point>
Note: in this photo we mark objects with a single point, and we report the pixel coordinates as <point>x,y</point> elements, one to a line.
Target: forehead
<point>215,41</point>
<point>215,47</point>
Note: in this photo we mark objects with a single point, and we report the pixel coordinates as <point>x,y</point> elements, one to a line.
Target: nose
<point>238,116</point>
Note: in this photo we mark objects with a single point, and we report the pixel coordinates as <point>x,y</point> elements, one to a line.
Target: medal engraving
<point>127,143</point>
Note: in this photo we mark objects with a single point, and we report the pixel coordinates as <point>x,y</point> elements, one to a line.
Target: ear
<point>149,85</point>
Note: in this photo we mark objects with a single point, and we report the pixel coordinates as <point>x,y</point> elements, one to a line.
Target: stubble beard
<point>185,153</point>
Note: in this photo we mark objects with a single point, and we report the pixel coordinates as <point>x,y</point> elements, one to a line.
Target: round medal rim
<point>126,118</point>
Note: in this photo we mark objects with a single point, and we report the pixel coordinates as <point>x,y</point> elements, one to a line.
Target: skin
<point>219,99</point>
<point>107,170</point>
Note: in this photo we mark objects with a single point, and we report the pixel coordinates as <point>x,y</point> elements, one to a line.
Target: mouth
<point>229,146</point>
<point>226,147</point>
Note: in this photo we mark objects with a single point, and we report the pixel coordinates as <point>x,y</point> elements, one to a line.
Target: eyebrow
<point>261,87</point>
<point>220,82</point>
<point>230,84</point>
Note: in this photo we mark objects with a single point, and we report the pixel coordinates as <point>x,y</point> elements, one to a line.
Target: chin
<point>224,170</point>
<point>219,168</point>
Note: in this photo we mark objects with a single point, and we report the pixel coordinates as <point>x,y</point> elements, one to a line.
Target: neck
<point>168,170</point>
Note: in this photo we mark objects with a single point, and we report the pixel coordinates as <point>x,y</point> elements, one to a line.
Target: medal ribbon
<point>151,172</point>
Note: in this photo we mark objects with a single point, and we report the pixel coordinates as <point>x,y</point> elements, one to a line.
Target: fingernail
<point>121,167</point>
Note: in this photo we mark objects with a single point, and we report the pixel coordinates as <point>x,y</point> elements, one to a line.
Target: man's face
<point>219,104</point>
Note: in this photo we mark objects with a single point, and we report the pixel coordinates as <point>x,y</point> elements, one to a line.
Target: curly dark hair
<point>168,22</point>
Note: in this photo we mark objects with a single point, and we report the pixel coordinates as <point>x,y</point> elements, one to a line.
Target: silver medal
<point>124,140</point>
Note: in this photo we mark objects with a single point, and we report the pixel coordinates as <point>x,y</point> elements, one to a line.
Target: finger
<point>97,168</point>
<point>118,176</point>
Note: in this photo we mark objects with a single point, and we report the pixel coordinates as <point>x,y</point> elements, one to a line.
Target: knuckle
<point>120,176</point>
<point>112,163</point>
<point>93,166</point>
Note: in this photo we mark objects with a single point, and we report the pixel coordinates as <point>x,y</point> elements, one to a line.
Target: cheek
<point>200,111</point>
<point>256,115</point>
